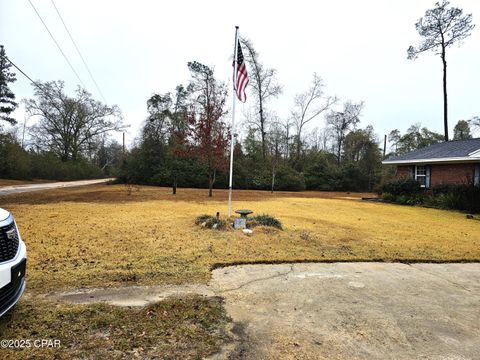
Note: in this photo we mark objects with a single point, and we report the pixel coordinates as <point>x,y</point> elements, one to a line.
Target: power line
<point>78,51</point>
<point>39,86</point>
<point>56,43</point>
<point>23,73</point>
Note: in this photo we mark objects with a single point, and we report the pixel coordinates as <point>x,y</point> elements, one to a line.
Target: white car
<point>13,261</point>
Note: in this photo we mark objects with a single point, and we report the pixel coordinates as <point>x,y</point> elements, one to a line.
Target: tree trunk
<point>174,185</point>
<point>262,129</point>
<point>210,184</point>
<point>273,179</point>
<point>445,105</point>
<point>299,144</point>
<point>287,147</point>
<point>211,181</point>
<point>339,151</point>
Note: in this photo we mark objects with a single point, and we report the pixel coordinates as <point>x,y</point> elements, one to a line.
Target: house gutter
<point>452,160</point>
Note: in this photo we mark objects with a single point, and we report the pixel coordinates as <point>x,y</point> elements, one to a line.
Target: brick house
<point>451,162</point>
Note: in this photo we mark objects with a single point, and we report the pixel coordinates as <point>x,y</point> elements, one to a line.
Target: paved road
<point>336,311</point>
<point>14,189</point>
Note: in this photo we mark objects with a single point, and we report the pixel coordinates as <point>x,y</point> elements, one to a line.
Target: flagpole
<point>232,135</point>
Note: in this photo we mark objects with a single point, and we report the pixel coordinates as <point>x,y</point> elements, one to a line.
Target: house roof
<point>450,151</point>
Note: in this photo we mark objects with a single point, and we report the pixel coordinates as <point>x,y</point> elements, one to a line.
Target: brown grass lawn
<point>188,328</point>
<point>100,236</point>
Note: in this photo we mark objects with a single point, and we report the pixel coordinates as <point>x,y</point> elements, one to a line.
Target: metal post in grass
<point>240,81</point>
<point>232,138</point>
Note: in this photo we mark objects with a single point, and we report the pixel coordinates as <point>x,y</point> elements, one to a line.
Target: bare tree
<point>287,124</point>
<point>276,138</point>
<point>442,27</point>
<point>320,138</point>
<point>264,85</point>
<point>307,106</point>
<point>69,126</point>
<point>108,153</point>
<point>394,137</point>
<point>324,136</point>
<point>312,139</point>
<point>341,122</point>
<point>475,121</point>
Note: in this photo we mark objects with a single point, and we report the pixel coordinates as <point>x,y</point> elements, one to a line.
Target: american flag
<point>240,81</point>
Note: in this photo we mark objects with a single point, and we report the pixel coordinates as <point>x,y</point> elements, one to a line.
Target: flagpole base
<point>229,202</point>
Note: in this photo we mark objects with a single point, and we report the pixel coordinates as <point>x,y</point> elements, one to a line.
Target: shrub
<point>449,201</point>
<point>264,220</point>
<point>352,178</point>
<point>211,222</point>
<point>387,197</point>
<point>321,172</point>
<point>443,189</point>
<point>202,218</point>
<point>402,200</point>
<point>458,197</point>
<point>415,199</point>
<point>287,179</point>
<point>402,187</point>
<point>261,179</point>
<point>450,197</point>
<point>14,161</point>
<point>49,166</point>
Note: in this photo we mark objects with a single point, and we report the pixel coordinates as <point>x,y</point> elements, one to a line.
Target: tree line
<point>185,139</point>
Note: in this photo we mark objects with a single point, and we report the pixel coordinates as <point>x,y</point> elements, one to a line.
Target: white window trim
<point>423,175</point>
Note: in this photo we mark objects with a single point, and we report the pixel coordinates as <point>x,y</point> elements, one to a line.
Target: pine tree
<point>442,27</point>
<point>7,97</point>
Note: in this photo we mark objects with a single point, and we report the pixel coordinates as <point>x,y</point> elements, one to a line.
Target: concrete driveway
<point>334,311</point>
<point>14,189</point>
<point>353,310</point>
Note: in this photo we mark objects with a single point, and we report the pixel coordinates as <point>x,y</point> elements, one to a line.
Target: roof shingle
<point>445,150</point>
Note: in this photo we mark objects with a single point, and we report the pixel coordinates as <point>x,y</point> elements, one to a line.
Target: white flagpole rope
<point>232,130</point>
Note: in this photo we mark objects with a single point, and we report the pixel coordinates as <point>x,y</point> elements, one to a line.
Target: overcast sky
<point>359,48</point>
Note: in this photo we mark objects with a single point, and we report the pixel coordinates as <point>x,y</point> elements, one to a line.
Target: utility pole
<point>384,146</point>
<point>23,133</point>
<point>123,146</point>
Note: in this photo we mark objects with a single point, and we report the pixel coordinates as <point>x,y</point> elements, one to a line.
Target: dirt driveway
<point>338,310</point>
<point>15,189</point>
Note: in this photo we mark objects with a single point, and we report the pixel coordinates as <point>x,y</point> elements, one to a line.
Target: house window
<point>421,175</point>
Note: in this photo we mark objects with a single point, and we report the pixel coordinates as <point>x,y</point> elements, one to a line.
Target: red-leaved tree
<point>207,136</point>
